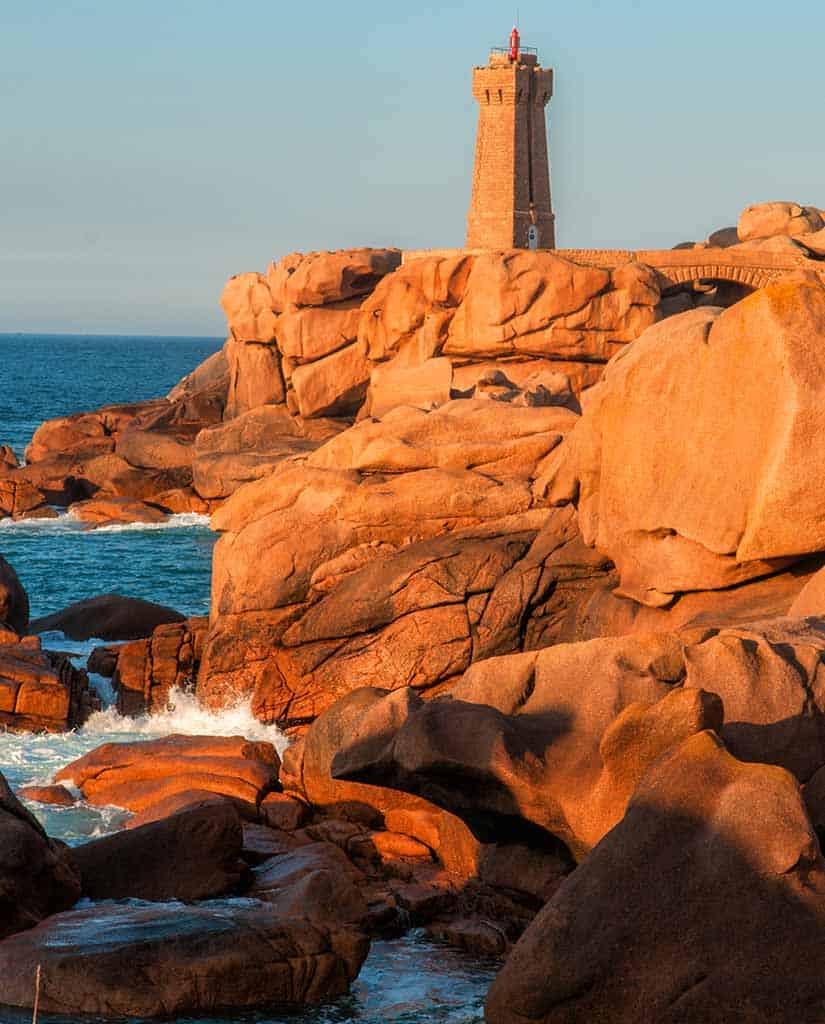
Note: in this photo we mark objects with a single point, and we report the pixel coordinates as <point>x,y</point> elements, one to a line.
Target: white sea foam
<point>184,714</point>
<point>34,758</point>
<point>67,522</point>
<point>29,525</point>
<point>178,521</point>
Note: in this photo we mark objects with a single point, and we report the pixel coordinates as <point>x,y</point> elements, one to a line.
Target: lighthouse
<point>511,206</point>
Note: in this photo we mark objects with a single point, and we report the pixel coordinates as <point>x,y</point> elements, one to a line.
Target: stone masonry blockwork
<point>511,179</point>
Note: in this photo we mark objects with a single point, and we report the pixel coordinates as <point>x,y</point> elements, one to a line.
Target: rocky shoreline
<point>527,560</point>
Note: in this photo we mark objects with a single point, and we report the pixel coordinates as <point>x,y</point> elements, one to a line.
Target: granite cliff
<point>526,554</point>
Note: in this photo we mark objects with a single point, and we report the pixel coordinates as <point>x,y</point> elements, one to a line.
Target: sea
<point>407,981</point>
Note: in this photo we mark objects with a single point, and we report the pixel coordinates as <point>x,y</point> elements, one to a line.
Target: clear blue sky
<point>149,149</point>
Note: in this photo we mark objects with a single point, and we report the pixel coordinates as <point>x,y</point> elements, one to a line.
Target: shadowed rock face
<point>558,738</point>
<point>194,854</point>
<point>36,876</point>
<point>696,907</point>
<point>14,601</point>
<point>685,493</point>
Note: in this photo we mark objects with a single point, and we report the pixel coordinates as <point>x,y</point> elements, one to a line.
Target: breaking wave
<point>66,522</point>
<point>183,714</point>
<point>34,758</point>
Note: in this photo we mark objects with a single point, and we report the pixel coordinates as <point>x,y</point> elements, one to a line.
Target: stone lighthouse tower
<point>510,207</point>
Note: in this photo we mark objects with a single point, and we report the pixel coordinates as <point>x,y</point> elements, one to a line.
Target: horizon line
<point>104,334</point>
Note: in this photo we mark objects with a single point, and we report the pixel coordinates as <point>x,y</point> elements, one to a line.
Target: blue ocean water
<point>58,562</point>
<point>59,374</point>
<point>409,981</point>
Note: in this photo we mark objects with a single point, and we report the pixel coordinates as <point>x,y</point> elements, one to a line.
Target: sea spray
<point>184,714</point>
<point>68,523</point>
<point>33,758</point>
<point>178,521</point>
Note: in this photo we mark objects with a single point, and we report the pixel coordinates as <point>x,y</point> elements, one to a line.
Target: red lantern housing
<point>515,43</point>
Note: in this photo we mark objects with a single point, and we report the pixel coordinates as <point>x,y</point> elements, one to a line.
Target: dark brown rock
<point>191,855</point>
<point>108,617</point>
<point>103,661</point>
<point>14,601</point>
<point>693,908</point>
<point>36,877</point>
<point>282,811</point>
<point>169,959</point>
<point>564,761</point>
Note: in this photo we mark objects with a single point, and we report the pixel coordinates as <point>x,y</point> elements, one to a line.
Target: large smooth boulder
<point>319,278</point>
<point>694,908</point>
<point>307,772</point>
<point>108,617</point>
<point>194,854</point>
<point>211,375</point>
<point>560,762</point>
<point>515,305</point>
<point>312,332</point>
<point>247,303</point>
<point>190,799</point>
<point>36,876</point>
<point>423,386</point>
<point>316,881</point>
<point>692,462</point>
<point>333,386</point>
<point>764,220</point>
<point>20,499</point>
<point>540,304</point>
<point>139,960</point>
<point>136,775</point>
<point>85,433</point>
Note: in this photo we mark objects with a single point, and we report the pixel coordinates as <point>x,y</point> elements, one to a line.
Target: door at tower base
<point>511,206</point>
